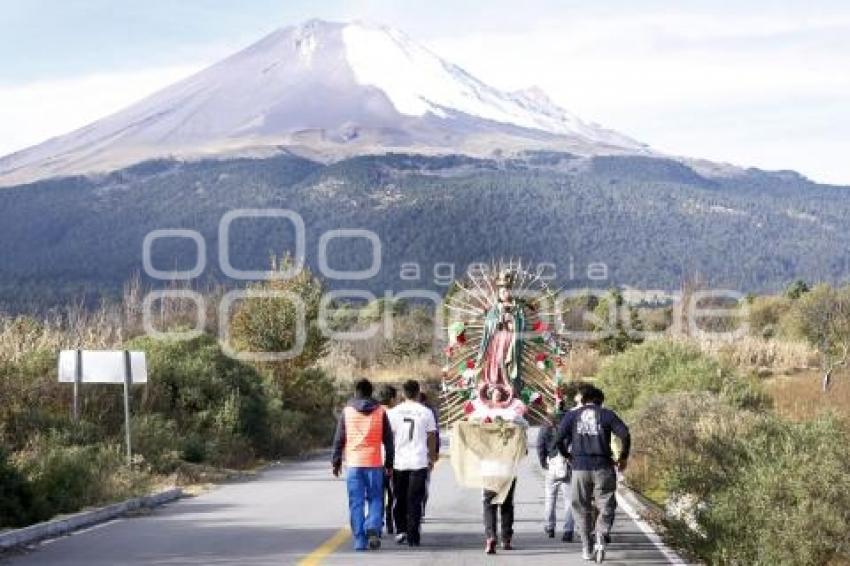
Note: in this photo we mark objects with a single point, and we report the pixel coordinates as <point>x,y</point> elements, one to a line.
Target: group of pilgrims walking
<point>390,447</point>
<point>506,355</point>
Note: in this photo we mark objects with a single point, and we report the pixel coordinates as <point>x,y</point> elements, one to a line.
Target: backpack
<point>559,467</point>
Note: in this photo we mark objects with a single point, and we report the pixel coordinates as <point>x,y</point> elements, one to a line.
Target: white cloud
<point>746,90</point>
<point>33,112</point>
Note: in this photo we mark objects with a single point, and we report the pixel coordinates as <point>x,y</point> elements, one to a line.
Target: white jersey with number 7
<point>411,422</point>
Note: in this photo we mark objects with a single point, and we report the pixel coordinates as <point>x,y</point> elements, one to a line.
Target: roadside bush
<point>194,449</point>
<point>230,451</point>
<point>286,437</point>
<point>269,324</point>
<point>67,478</point>
<point>745,488</point>
<point>16,496</point>
<point>29,396</point>
<point>789,504</point>
<point>202,391</point>
<point>690,441</point>
<point>155,438</point>
<point>637,375</point>
<point>302,415</point>
<point>228,412</point>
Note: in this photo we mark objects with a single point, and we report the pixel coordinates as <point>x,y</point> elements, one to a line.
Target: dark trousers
<point>427,489</point>
<point>389,503</point>
<point>409,491</point>
<point>506,509</point>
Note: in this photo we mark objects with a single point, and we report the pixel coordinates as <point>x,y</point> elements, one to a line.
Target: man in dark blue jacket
<point>586,432</point>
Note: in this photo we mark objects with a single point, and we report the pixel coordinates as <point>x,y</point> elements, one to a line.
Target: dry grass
<point>101,329</point>
<point>343,363</point>
<point>799,397</point>
<point>106,327</point>
<point>408,352</point>
<point>339,361</point>
<point>583,362</point>
<point>761,354</point>
<point>422,370</point>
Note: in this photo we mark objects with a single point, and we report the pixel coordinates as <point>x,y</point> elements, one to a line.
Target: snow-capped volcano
<point>326,89</point>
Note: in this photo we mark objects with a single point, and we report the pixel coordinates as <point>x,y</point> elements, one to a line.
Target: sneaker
<point>413,538</point>
<point>401,538</point>
<point>490,546</point>
<point>586,551</point>
<point>549,532</point>
<point>506,544</point>
<point>374,540</point>
<point>599,549</point>
<point>567,536</point>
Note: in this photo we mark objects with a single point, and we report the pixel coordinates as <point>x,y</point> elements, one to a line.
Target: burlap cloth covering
<point>487,455</point>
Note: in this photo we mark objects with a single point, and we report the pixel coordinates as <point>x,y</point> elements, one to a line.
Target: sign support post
<point>78,378</point>
<point>128,380</point>
<point>104,366</point>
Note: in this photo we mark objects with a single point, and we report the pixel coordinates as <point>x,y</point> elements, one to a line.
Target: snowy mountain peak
<point>327,89</point>
<point>305,42</point>
<point>419,82</point>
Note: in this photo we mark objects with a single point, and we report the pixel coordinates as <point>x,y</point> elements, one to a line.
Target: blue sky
<point>760,83</point>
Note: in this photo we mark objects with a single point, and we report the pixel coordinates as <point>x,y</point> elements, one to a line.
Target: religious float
<point>505,359</point>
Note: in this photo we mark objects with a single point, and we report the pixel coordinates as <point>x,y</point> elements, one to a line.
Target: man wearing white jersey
<point>415,441</point>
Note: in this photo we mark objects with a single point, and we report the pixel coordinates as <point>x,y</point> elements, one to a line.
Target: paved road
<point>297,512</point>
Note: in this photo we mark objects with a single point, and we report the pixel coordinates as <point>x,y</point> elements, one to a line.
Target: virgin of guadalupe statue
<point>505,352</point>
<point>500,352</point>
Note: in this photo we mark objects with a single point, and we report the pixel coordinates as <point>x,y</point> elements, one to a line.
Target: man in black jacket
<point>587,432</point>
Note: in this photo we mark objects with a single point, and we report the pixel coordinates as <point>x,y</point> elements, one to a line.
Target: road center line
<point>326,548</point>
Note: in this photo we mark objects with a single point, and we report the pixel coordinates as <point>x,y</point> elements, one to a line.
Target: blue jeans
<point>365,502</point>
<point>551,487</point>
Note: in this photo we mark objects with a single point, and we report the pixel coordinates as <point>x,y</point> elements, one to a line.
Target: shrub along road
<point>297,512</point>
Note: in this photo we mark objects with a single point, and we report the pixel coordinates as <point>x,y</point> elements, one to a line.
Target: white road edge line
<point>45,542</point>
<point>670,554</point>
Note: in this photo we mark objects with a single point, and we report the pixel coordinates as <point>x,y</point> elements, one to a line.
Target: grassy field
<point>799,397</point>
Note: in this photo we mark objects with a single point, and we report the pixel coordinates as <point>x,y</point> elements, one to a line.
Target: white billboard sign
<point>102,366</point>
